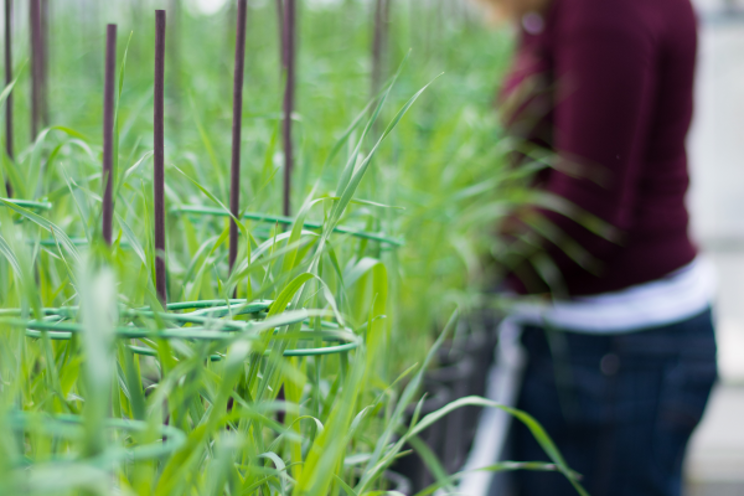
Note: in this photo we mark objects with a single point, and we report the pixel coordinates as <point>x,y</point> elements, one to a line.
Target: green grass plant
<point>103,390</point>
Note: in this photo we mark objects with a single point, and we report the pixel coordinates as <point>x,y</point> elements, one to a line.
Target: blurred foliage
<point>103,392</point>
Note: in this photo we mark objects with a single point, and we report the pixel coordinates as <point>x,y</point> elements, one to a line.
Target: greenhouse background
<point>417,248</point>
<point>716,454</point>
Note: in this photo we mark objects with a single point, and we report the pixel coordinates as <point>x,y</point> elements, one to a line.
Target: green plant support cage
<point>168,439</point>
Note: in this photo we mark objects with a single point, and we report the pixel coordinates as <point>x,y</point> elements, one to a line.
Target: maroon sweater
<point>610,88</point>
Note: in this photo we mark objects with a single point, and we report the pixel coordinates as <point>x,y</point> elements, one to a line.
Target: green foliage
<point>103,391</point>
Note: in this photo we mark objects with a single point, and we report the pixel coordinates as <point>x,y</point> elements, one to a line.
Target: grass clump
<point>106,388</point>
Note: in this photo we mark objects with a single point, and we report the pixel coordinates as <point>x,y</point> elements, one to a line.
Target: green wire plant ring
<point>259,217</point>
<point>27,204</point>
<point>280,219</point>
<point>71,427</point>
<point>206,321</point>
<point>77,242</point>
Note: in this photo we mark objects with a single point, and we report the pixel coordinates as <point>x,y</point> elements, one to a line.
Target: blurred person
<point>621,356</point>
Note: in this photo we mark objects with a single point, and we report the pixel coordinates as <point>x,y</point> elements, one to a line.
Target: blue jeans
<point>620,407</point>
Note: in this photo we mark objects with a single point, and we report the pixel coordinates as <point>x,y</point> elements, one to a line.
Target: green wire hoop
<point>197,210</point>
<point>68,426</point>
<point>207,320</point>
<point>204,312</point>
<point>280,219</point>
<point>27,204</point>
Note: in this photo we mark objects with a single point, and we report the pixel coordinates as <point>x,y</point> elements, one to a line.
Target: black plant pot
<point>481,346</point>
<point>412,466</point>
<point>473,351</point>
<point>398,482</point>
<point>457,374</point>
<point>478,340</point>
<point>481,336</point>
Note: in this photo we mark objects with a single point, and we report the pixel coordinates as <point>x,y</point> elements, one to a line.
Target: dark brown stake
<point>108,128</point>
<point>36,65</point>
<point>290,48</point>
<point>44,62</point>
<point>159,157</point>
<point>8,79</point>
<point>236,127</point>
<point>288,42</point>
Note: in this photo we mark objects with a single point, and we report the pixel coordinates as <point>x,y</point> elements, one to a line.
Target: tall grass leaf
<point>505,466</point>
<point>348,190</point>
<point>134,382</point>
<point>99,316</point>
<point>430,460</point>
<point>117,105</point>
<point>49,226</point>
<point>209,195</point>
<point>291,257</point>
<point>80,202</point>
<point>347,488</point>
<point>10,256</point>
<point>285,296</point>
<point>216,166</point>
<point>374,467</point>
<point>131,239</point>
<point>34,166</point>
<point>565,207</point>
<point>346,135</point>
<point>348,169</point>
<point>131,171</point>
<point>13,176</point>
<point>326,453</point>
<point>534,427</point>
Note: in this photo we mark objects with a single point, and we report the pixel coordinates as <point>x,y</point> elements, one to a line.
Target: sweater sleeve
<point>603,68</point>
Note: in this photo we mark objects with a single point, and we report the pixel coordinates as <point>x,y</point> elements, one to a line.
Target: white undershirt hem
<point>678,296</point>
